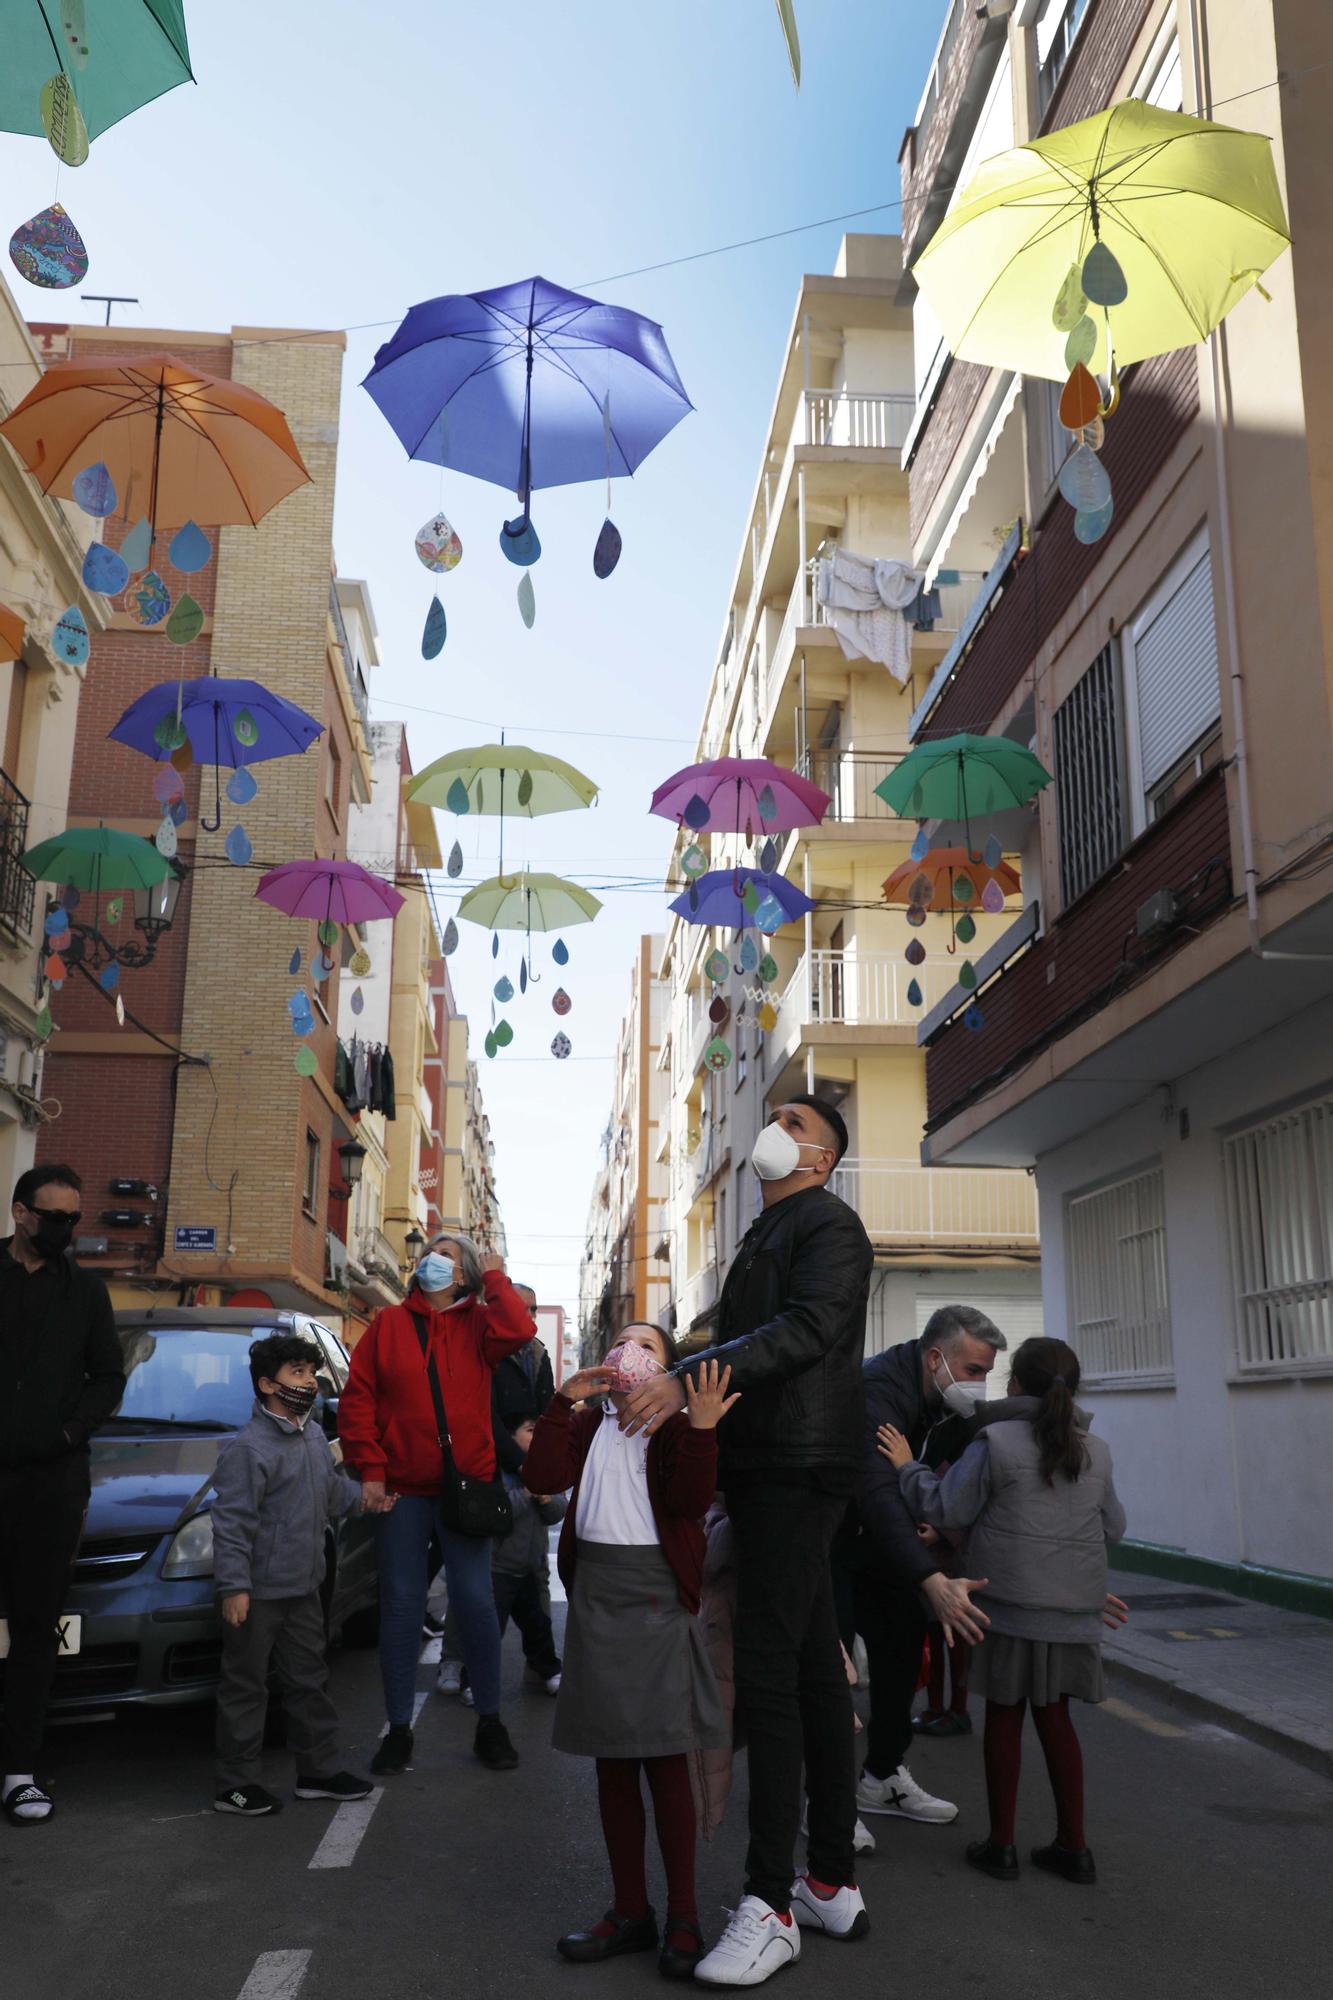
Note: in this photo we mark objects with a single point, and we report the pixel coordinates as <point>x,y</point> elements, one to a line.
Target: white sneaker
<point>552,1684</point>
<point>755,1945</point>
<point>863,1840</point>
<point>842,1915</point>
<point>470,1701</point>
<point>903,1797</point>
<point>449,1680</point>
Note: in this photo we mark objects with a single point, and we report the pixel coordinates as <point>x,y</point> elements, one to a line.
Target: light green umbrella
<point>502,778</point>
<point>526,902</point>
<point>954,777</point>
<point>115,55</point>
<point>97,858</point>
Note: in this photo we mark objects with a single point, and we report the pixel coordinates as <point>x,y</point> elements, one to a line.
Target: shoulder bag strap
<point>433,1376</point>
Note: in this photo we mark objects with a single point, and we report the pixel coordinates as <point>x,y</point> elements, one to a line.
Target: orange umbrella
<point>942,870</point>
<point>179,445</point>
<point>11,634</point>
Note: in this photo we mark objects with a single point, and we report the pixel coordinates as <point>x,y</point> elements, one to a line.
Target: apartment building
<point>625,1273</point>
<point>788,686</point>
<point>1159,1018</point>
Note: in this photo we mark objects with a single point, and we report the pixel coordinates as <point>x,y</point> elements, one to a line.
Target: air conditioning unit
<point>1160,913</point>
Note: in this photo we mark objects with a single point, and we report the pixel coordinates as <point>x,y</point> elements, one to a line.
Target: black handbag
<point>479,1507</point>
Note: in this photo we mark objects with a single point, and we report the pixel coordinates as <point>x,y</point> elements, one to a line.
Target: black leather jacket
<point>791,1326</point>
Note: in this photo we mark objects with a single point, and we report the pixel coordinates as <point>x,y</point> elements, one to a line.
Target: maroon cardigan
<point>682,1478</point>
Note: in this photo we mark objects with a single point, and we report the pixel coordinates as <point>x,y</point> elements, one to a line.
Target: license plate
<point>70,1628</point>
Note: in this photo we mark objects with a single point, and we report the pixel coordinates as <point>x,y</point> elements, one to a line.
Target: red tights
<point>1064,1767</point>
<point>625,1828</point>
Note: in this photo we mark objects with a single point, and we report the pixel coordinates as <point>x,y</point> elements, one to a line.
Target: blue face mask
<point>435,1273</point>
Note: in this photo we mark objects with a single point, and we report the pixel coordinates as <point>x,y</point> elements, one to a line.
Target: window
<point>333,768</point>
<point>1171,675</point>
<point>1160,82</point>
<point>1116,1247</point>
<point>1057,31</point>
<point>1088,768</point>
<point>1279,1183</point>
<point>310,1186</point>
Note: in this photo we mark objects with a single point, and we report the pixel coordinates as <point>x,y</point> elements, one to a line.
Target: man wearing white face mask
<point>896,1579</point>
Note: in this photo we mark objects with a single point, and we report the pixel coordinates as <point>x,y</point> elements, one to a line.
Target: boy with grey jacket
<point>278,1488</point>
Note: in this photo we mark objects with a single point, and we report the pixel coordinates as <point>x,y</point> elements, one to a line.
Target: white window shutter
<point>1175,668</point>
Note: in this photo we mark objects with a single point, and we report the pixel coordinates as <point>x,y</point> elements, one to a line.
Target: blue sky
<point>337,163</point>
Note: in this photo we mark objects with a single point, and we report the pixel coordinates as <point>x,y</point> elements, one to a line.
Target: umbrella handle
<point>211,826</point>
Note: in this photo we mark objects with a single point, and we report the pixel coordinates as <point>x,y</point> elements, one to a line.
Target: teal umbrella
<point>953,777</point>
<point>97,858</point>
<point>116,55</point>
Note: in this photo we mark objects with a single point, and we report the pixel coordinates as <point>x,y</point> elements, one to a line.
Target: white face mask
<point>775,1154</point>
<point>962,1398</point>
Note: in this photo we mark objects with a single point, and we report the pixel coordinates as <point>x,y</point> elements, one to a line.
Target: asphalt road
<point>1215,1858</point>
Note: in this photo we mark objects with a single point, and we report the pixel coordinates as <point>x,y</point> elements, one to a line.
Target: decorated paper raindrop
<point>241,786</point>
<point>1091,523</point>
<point>1093,435</point>
<point>1082,343</point>
<point>560,1047</point>
<point>177,811</point>
<point>489,1044</point>
<point>717,1055</point>
<point>992,898</point>
<point>973,1018</point>
<point>992,853</point>
<point>104,570</point>
<point>120,1012</point>
<point>170,733</point>
<point>768,856</point>
<point>167,784</point>
<point>920,847</point>
<point>560,952</point>
<point>303,1024</point>
<point>438,546</point>
<point>1071,301</point>
<point>607,552</point>
<point>307,1062</point>
<point>62,120</point>
<point>718,1010</point>
<point>165,838</point>
<point>238,846</point>
<point>964,888</point>
<point>495,945</point>
<point>915,953</point>
<point>327,931</point>
<point>768,1017</point>
<point>693,861</point>
<point>357,1001</point>
<point>965,929</point>
<point>56,921</point>
<point>922,890</point>
<point>244,728</point>
<point>1080,399</point>
<point>916,916</point>
<point>182,756</point>
<point>95,490</point>
<point>749,955</point>
<point>112,911</point>
<point>321,967</point>
<point>186,621</point>
<point>525,788</point>
<point>504,1034</point>
<point>435,631</point>
<point>109,977</point>
<point>454,865</point>
<point>523,975</point>
<point>769,916</point>
<point>697,813</point>
<point>768,968</point>
<point>560,1001</point>
<point>70,636</point>
<point>519,541</point>
<point>449,942</point>
<point>54,968</point>
<point>914,994</point>
<point>750,895</point>
<point>716,966</point>
<point>1084,481</point>
<point>1102,279</point>
<point>189,549</point>
<point>967,976</point>
<point>768,806</point>
<point>137,546</point>
<point>294,962</point>
<point>48,250</point>
<point>359,963</point>
<point>42,1026</point>
<point>503,989</point>
<point>456,797</point>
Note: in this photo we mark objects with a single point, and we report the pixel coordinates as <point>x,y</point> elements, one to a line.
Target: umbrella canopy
<point>941,869</point>
<point>502,778</point>
<point>719,898</point>
<point>955,777</point>
<point>97,858</point>
<point>135,50</point>
<point>12,630</point>
<point>528,385</point>
<point>227,723</point>
<point>1189,210</point>
<point>739,792</point>
<point>526,902</point>
<point>179,445</point>
<point>338,892</point>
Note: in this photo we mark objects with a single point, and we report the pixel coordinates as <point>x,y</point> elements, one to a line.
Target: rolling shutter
<point>1175,670</point>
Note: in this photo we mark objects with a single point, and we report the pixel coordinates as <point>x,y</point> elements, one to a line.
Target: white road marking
<point>419,1702</point>
<point>277,1975</point>
<point>171,1818</point>
<point>344,1834</point>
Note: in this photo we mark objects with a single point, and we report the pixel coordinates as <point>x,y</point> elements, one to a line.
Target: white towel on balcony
<point>865,597</point>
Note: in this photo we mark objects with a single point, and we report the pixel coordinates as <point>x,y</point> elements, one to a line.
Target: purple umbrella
<point>338,892</point>
<point>528,385</point>
<point>739,792</point>
<point>226,722</point>
<point>719,898</point>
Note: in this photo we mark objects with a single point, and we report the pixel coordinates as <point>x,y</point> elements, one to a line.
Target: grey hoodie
<point>278,1488</point>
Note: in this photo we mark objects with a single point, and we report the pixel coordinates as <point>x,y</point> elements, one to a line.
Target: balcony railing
<point>850,777</point>
<point>17,887</point>
<point>857,990</point>
<point>901,1201</point>
<point>856,419</point>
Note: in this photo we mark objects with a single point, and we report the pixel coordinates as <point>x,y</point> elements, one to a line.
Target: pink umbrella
<point>339,892</point>
<point>729,793</point>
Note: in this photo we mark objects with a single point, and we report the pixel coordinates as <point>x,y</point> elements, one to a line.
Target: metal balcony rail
<point>857,419</point>
<point>17,888</point>
<point>902,1201</point>
<point>860,989</point>
<point>850,777</point>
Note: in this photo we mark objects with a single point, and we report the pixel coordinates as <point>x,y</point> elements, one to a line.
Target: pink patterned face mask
<point>633,1364</point>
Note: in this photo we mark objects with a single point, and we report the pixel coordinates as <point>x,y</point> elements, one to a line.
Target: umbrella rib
<point>1037,237</point>
<point>1164,268</point>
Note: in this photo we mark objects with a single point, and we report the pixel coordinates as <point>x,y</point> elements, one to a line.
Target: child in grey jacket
<point>278,1488</point>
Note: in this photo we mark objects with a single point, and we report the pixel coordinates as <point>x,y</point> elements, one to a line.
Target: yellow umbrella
<point>1155,221</point>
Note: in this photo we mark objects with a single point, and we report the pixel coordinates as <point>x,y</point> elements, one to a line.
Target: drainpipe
<point>1203,91</point>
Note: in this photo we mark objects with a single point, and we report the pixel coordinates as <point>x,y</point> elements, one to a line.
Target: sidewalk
<point>1264,1673</point>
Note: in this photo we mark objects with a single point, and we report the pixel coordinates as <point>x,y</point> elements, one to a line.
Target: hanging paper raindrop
<point>137,546</point>
<point>294,962</point>
<point>164,840</point>
<point>109,977</point>
<point>560,1047</point>
<point>449,942</point>
<point>503,989</point>
<point>1084,481</point>
<point>434,632</point>
<point>170,733</point>
<point>48,250</point>
<point>768,968</point>
<point>560,952</point>
<point>1071,301</point>
<point>238,847</point>
<point>967,976</point>
<point>55,922</point>
<point>167,784</point>
<point>717,1055</point>
<point>359,963</point>
<point>327,932</point>
<point>438,546</point>
<point>189,549</point>
<point>964,888</point>
<point>54,968</point>
<point>973,1018</point>
<point>718,1010</point>
<point>357,1001</point>
<point>69,636</point>
<point>768,806</point>
<point>120,1012</point>
<point>523,975</point>
<point>992,853</point>
<point>182,756</point>
<point>914,994</point>
<point>113,910</point>
<point>504,1034</point>
<point>525,788</point>
<point>456,798</point>
<point>1102,278</point>
<point>1091,523</point>
<point>43,1024</point>
<point>769,915</point>
<point>916,916</point>
<point>104,570</point>
<point>693,861</point>
<point>749,957</point>
<point>245,729</point>
<point>915,953</point>
<point>321,967</point>
<point>95,490</point>
<point>768,1017</point>
<point>992,898</point>
<point>920,847</point>
<point>454,865</point>
<point>186,621</point>
<point>519,541</point>
<point>495,945</point>
<point>922,890</point>
<point>527,601</point>
<point>965,929</point>
<point>303,1024</point>
<point>177,811</point>
<point>750,895</point>
<point>1080,399</point>
<point>716,966</point>
<point>1081,345</point>
<point>241,787</point>
<point>696,814</point>
<point>560,1001</point>
<point>62,120</point>
<point>768,856</point>
<point>607,552</point>
<point>307,1062</point>
<point>489,1044</point>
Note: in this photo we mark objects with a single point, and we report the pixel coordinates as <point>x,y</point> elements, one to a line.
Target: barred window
<point>1089,761</point>
<point>1118,1307</point>
<point>1279,1183</point>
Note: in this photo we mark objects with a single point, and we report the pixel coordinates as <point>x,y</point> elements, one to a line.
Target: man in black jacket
<point>791,1328</point>
<point>61,1374</point>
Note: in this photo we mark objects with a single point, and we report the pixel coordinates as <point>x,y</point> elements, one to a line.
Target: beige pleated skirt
<point>1035,1670</point>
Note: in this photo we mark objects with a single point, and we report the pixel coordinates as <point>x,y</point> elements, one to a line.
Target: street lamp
<point>154,913</point>
<point>351,1154</point>
<point>414,1240</point>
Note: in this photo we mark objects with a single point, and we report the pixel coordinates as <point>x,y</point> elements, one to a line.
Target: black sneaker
<point>395,1752</point>
<point>491,1743</point>
<point>341,1786</point>
<point>250,1801</point>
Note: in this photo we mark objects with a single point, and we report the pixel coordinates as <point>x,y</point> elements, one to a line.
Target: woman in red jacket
<point>637,1687</point>
<point>463,1312</point>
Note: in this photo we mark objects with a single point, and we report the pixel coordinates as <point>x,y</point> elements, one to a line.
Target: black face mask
<point>54,1232</point>
<point>297,1402</point>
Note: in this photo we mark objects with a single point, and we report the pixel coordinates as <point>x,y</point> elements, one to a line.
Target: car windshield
<point>196,1376</point>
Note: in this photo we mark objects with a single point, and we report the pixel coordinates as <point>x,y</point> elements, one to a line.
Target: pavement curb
<point>1207,1708</point>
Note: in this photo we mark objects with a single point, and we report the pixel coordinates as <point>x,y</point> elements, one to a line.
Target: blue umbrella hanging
<point>227,723</point>
<point>736,897</point>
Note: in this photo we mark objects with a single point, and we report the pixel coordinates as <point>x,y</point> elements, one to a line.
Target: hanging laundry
<point>865,597</point>
<point>924,609</point>
<point>390,1102</point>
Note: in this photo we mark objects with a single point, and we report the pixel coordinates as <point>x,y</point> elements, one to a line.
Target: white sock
<point>15,1781</point>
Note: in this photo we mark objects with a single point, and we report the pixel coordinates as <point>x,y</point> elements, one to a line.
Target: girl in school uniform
<point>637,1691</point>
<point>1035,1493</point>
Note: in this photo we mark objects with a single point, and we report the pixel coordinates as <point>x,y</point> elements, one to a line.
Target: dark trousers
<point>525,1598</point>
<point>890,1618</point>
<point>285,1634</point>
<point>792,1697</point>
<point>41,1518</point>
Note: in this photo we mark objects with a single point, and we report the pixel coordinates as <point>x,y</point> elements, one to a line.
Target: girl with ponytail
<point>1035,1494</point>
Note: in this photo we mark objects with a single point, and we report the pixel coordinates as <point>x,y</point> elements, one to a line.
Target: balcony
<point>850,777</point>
<point>17,887</point>
<point>854,420</point>
<point>695,1298</point>
<point>845,998</point>
<point>903,1203</point>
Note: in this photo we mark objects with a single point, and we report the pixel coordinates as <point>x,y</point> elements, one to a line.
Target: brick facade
<point>959,393</point>
<point>1097,61</point>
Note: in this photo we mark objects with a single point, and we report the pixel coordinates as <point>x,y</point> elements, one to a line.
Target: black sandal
<point>28,1795</point>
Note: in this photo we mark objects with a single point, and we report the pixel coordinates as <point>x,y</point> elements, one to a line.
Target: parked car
<point>142,1624</point>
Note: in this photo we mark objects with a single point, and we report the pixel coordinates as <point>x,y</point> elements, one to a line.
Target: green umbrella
<point>956,776</point>
<point>115,55</point>
<point>97,858</point>
<point>525,902</point>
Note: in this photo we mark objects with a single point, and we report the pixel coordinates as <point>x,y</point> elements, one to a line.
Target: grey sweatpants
<point>286,1633</point>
